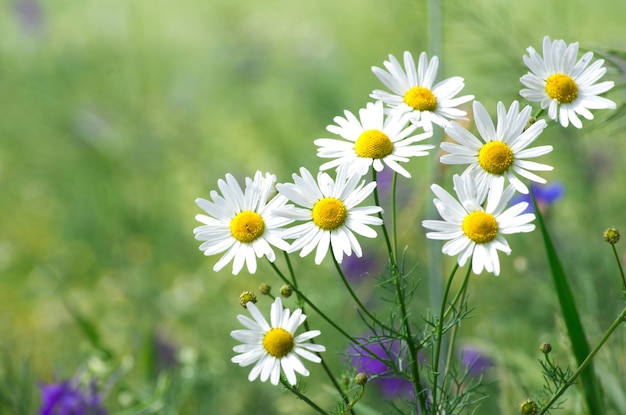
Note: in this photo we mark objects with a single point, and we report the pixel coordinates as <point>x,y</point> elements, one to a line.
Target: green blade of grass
<point>570,314</point>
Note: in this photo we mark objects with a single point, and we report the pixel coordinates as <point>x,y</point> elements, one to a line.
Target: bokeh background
<point>116,115</point>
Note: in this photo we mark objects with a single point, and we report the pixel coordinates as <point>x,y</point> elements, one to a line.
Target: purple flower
<point>356,268</point>
<point>67,398</point>
<point>545,195</point>
<point>475,361</point>
<point>383,365</point>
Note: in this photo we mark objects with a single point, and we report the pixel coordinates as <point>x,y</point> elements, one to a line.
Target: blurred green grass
<point>116,115</point>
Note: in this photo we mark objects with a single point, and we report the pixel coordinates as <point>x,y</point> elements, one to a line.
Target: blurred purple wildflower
<point>355,268</point>
<point>67,398</point>
<point>475,361</point>
<point>30,15</point>
<point>545,195</point>
<point>388,354</point>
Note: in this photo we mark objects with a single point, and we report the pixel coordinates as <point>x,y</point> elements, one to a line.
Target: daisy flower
<point>372,141</point>
<point>473,231</point>
<point>501,150</point>
<point>413,91</point>
<point>275,346</point>
<point>331,213</point>
<point>565,87</point>
<point>242,223</point>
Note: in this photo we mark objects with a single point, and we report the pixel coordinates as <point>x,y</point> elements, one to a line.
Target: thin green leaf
<point>570,314</point>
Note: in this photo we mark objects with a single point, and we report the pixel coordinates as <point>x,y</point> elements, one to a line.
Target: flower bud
<point>246,297</point>
<point>529,407</point>
<point>611,236</point>
<point>531,121</point>
<point>545,347</point>
<point>265,289</point>
<point>286,290</point>
<point>360,379</point>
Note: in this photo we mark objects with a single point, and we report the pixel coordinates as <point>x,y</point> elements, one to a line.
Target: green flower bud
<point>529,407</point>
<point>286,290</point>
<point>545,348</point>
<point>360,379</point>
<point>611,236</point>
<point>265,289</point>
<point>246,297</point>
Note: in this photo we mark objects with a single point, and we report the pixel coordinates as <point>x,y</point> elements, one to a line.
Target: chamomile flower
<point>565,87</point>
<point>330,210</point>
<point>473,231</point>
<point>415,92</point>
<point>274,346</point>
<point>242,223</point>
<point>372,141</point>
<point>501,151</point>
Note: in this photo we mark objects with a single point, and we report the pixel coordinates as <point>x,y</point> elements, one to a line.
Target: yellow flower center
<point>495,157</point>
<point>329,213</point>
<point>420,98</point>
<point>246,226</point>
<point>562,88</point>
<point>278,342</point>
<point>480,227</point>
<point>373,144</point>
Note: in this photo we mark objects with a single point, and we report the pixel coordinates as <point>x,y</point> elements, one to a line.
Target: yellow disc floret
<point>278,342</point>
<point>246,226</point>
<point>329,213</point>
<point>495,157</point>
<point>420,98</point>
<point>480,227</point>
<point>562,88</point>
<point>373,144</point>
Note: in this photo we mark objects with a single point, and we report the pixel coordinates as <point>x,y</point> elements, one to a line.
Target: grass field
<point>116,115</point>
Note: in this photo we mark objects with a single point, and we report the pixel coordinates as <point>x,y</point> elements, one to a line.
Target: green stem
<point>404,315</point>
<point>619,264</point>
<point>358,301</point>
<point>393,214</point>
<point>390,251</point>
<point>461,293</point>
<point>619,320</point>
<point>440,334</point>
<point>313,306</point>
<point>329,373</point>
<point>302,396</point>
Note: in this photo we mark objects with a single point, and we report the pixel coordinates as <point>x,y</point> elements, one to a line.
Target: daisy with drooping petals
<point>330,210</point>
<point>501,151</point>
<point>274,346</point>
<point>413,91</point>
<point>242,223</point>
<point>473,231</point>
<point>565,87</point>
<point>372,141</point>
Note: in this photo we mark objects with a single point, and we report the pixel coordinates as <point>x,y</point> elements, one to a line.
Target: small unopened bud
<point>528,407</point>
<point>545,348</point>
<point>360,379</point>
<point>247,297</point>
<point>286,290</point>
<point>611,236</point>
<point>265,289</point>
<point>531,121</point>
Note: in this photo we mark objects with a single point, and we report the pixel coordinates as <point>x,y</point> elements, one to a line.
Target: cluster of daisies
<point>325,212</point>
